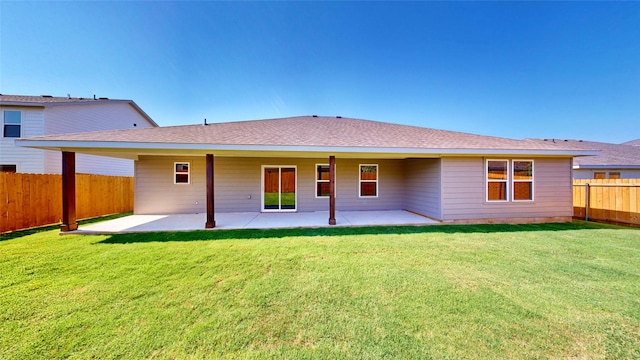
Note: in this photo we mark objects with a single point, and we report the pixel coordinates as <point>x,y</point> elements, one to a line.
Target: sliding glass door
<point>279,188</point>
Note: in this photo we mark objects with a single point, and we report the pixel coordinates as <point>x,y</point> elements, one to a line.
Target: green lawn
<point>565,291</point>
<point>288,200</point>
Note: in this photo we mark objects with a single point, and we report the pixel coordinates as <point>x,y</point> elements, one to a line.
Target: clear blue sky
<point>512,69</point>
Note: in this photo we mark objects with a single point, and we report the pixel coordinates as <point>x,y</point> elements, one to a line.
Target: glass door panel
<point>288,189</point>
<point>271,189</point>
<point>279,186</point>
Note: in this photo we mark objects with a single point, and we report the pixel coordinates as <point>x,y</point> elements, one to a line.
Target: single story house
<point>28,116</point>
<point>616,161</point>
<point>318,163</point>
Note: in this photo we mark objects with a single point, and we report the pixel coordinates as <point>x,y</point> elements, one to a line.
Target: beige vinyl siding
<point>27,160</point>
<point>390,185</point>
<point>463,191</point>
<point>238,185</point>
<point>422,190</point>
<point>155,192</point>
<point>92,117</point>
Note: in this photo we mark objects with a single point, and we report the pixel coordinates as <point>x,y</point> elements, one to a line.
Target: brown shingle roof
<point>635,142</point>
<point>46,99</point>
<point>310,131</point>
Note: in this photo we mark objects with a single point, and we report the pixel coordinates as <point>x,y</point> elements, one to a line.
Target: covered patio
<point>253,220</point>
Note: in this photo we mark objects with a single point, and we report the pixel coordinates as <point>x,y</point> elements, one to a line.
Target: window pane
<point>182,168</point>
<point>614,175</point>
<point>323,172</point>
<point>288,180</point>
<point>182,178</point>
<point>12,131</point>
<point>522,170</point>
<point>599,175</point>
<point>12,117</point>
<point>497,190</point>
<point>368,172</point>
<point>8,168</point>
<point>497,170</point>
<point>322,189</point>
<point>523,191</point>
<point>368,189</point>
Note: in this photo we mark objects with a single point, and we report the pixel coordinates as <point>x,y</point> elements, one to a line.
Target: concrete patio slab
<point>253,220</point>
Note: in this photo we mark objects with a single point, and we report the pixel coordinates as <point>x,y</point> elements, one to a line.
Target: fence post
<point>586,202</point>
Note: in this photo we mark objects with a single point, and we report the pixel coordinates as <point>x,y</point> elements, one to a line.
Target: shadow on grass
<point>247,234</point>
<point>27,232</point>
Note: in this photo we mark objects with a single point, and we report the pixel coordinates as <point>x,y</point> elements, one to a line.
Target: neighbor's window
<point>181,173</point>
<point>522,180</point>
<point>614,175</point>
<point>8,168</point>
<point>322,180</point>
<point>369,180</point>
<point>12,121</point>
<point>599,175</point>
<point>497,180</point>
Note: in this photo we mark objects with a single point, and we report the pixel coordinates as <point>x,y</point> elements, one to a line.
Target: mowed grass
<point>569,291</point>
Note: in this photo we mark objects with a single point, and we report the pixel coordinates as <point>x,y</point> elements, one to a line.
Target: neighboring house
<point>616,161</point>
<point>28,116</point>
<point>284,165</point>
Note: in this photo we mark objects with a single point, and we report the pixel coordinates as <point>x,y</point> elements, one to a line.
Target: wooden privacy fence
<point>29,200</point>
<point>612,200</point>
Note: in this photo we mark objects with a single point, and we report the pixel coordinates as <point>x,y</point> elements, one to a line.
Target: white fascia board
<point>21,103</point>
<point>133,146</point>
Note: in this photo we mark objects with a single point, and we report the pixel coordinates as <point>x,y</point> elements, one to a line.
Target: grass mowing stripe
<point>479,291</point>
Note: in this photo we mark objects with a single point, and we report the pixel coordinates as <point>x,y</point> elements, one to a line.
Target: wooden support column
<point>69,222</point>
<point>211,222</point>
<point>332,190</point>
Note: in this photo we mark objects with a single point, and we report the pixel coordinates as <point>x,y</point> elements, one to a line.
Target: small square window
<point>368,180</point>
<point>181,173</point>
<point>614,175</point>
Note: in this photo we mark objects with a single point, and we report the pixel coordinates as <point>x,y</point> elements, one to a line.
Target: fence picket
<point>30,200</point>
<point>614,200</point>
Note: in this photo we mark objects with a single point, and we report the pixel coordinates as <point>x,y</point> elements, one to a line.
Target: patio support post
<point>332,190</point>
<point>211,222</point>
<point>68,192</point>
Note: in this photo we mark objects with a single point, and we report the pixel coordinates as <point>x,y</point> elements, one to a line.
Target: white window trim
<point>21,123</point>
<point>487,181</point>
<point>176,173</point>
<point>315,189</point>
<point>513,181</point>
<point>360,181</point>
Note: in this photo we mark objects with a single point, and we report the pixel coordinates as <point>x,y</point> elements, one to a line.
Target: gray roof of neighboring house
<point>47,100</point>
<point>614,156</point>
<point>635,142</point>
<point>303,133</point>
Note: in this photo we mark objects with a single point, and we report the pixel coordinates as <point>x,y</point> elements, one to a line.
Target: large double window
<point>509,180</point>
